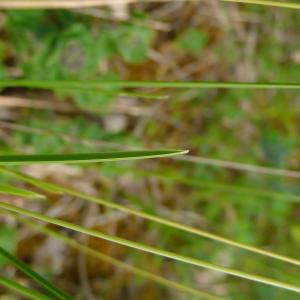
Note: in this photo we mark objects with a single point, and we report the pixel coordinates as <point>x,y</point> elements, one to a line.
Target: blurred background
<point>183,41</point>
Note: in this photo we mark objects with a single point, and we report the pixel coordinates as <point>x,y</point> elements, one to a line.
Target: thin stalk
<point>156,219</point>
<point>231,165</point>
<point>117,263</point>
<point>22,290</point>
<point>92,85</point>
<point>149,249</point>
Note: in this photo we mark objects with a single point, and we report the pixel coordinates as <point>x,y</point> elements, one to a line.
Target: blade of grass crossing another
<point>117,263</point>
<point>86,157</point>
<point>149,249</point>
<point>156,219</point>
<point>22,290</point>
<point>14,191</point>
<point>58,293</point>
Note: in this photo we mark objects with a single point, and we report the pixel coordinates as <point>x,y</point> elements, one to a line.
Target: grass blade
<point>232,165</point>
<point>22,290</point>
<point>92,85</point>
<point>188,158</point>
<point>281,4</point>
<point>117,263</point>
<point>219,186</point>
<point>35,276</point>
<point>54,4</point>
<point>149,249</point>
<point>86,157</point>
<point>14,191</point>
<point>156,219</point>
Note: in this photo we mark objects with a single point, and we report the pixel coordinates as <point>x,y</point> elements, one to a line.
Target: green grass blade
<point>14,191</point>
<point>117,263</point>
<point>45,186</point>
<point>157,219</point>
<point>35,276</point>
<point>86,157</point>
<point>92,85</point>
<point>149,249</point>
<point>22,290</point>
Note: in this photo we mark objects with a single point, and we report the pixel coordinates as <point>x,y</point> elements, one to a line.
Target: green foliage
<point>192,41</point>
<point>133,42</point>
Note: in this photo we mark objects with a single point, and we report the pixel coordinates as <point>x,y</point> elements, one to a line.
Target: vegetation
<point>89,94</point>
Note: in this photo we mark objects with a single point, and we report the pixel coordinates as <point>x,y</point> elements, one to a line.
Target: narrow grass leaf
<point>22,290</point>
<point>219,186</point>
<point>58,293</point>
<point>86,157</point>
<point>159,220</point>
<point>44,186</point>
<point>232,165</point>
<point>14,191</point>
<point>117,263</point>
<point>149,249</point>
<point>92,85</point>
<point>280,4</point>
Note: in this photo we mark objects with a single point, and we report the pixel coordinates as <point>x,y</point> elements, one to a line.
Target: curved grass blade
<point>14,191</point>
<point>58,293</point>
<point>117,263</point>
<point>92,85</point>
<point>149,249</point>
<point>157,219</point>
<point>54,4</point>
<point>86,157</point>
<point>22,290</point>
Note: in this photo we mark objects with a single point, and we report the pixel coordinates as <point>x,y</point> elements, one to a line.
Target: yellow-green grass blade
<point>22,290</point>
<point>15,191</point>
<point>99,84</point>
<point>58,293</point>
<point>117,263</point>
<point>281,4</point>
<point>156,219</point>
<point>149,249</point>
<point>242,167</point>
<point>86,157</point>
<point>55,4</point>
<point>218,186</point>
